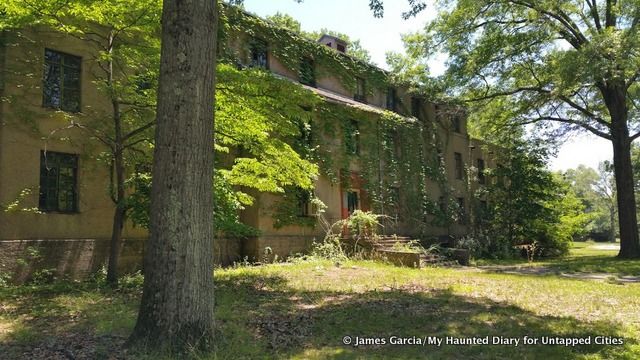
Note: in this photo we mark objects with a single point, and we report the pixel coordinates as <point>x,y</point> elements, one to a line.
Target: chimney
<point>333,42</point>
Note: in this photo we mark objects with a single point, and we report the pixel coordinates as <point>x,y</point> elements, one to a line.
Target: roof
<point>337,39</point>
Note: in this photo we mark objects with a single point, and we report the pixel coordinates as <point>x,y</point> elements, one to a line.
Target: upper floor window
<point>58,182</point>
<point>392,97</point>
<point>307,72</point>
<point>416,104</point>
<point>459,166</point>
<point>352,138</point>
<point>360,90</point>
<point>481,177</point>
<point>456,124</point>
<point>259,56</point>
<point>61,81</point>
<point>341,48</point>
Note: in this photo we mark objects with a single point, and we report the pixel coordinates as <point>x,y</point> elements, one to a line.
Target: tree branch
<point>569,121</point>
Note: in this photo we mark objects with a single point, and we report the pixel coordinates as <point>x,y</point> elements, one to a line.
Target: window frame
<point>458,166</point>
<point>361,90</point>
<point>354,136</point>
<point>480,164</point>
<point>307,63</point>
<point>45,65</point>
<point>46,157</point>
<point>255,46</point>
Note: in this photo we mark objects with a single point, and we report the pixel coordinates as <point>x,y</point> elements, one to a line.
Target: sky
<point>354,18</point>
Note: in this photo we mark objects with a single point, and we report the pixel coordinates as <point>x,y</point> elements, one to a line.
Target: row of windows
<point>459,168</point>
<point>259,58</point>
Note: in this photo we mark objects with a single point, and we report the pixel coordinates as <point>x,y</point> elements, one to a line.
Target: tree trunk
<point>612,221</point>
<point>118,220</point>
<point>176,311</point>
<point>627,216</point>
<point>615,99</point>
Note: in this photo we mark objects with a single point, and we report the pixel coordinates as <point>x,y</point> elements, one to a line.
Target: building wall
<point>77,243</point>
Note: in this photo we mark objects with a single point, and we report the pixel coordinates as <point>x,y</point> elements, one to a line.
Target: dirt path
<point>545,270</point>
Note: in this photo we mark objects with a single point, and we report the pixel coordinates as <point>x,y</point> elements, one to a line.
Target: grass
<point>303,310</point>
<point>585,257</point>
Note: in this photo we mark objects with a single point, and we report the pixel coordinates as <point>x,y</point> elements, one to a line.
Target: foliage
<point>563,65</point>
<point>596,191</point>
<point>354,48</point>
<point>363,224</point>
<point>527,204</point>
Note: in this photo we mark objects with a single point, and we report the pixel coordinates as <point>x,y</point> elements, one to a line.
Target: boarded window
<point>61,81</point>
<point>58,182</point>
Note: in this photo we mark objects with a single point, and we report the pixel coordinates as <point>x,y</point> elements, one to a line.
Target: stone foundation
<point>21,260</point>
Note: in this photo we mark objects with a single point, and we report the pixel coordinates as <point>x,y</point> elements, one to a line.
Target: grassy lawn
<point>303,311</point>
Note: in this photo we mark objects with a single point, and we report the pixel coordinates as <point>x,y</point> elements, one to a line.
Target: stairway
<point>388,243</point>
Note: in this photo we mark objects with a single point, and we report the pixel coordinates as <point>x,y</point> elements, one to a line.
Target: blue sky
<point>353,17</point>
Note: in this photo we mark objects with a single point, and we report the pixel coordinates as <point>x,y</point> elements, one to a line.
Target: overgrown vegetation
<point>303,310</point>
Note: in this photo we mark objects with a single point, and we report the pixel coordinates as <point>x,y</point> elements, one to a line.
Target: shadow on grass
<point>262,317</point>
<point>596,264</point>
<point>65,320</point>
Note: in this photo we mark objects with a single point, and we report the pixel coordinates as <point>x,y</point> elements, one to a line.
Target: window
<point>481,177</point>
<point>341,48</point>
<point>61,81</point>
<point>307,72</point>
<point>442,204</point>
<point>304,202</point>
<point>58,182</point>
<point>459,166</point>
<point>456,124</point>
<point>259,54</point>
<point>353,201</point>
<point>392,96</point>
<point>416,104</point>
<point>352,138</point>
<point>360,90</point>
<point>461,211</point>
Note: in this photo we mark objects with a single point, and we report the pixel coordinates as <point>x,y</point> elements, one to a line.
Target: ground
<point>303,310</point>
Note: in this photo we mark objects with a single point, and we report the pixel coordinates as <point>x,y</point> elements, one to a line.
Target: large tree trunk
<point>118,220</point>
<point>176,311</point>
<point>612,221</point>
<point>615,99</point>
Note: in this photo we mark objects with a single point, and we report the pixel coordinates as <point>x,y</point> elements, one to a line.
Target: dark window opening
<point>360,94</point>
<point>259,57</point>
<point>341,48</point>
<point>352,138</point>
<point>459,166</point>
<point>416,104</point>
<point>456,124</point>
<point>353,201</point>
<point>392,96</point>
<point>481,177</point>
<point>304,202</point>
<point>307,72</point>
<point>61,81</point>
<point>58,182</point>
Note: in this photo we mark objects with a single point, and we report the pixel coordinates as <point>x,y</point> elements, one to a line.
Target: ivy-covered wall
<point>404,164</point>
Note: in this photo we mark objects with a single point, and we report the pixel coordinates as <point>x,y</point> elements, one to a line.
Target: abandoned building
<point>54,190</point>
